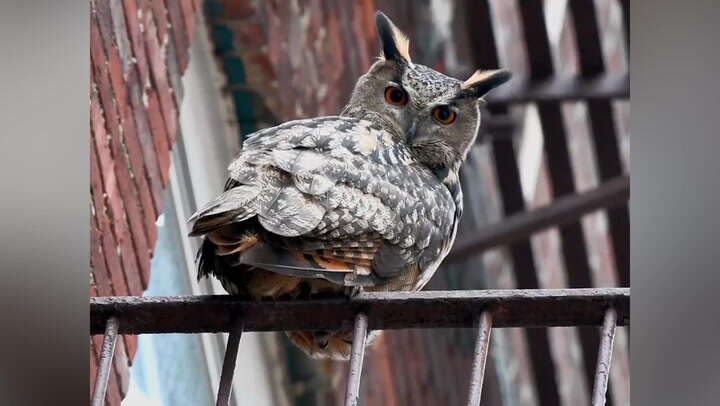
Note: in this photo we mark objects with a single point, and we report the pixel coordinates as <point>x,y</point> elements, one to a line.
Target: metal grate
<point>486,309</point>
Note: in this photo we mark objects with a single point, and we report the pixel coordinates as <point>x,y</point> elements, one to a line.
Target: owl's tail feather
<point>232,206</point>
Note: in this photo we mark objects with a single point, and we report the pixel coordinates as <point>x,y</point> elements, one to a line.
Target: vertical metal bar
<point>560,169</point>
<point>481,350</point>
<point>228,369</point>
<point>356,360</point>
<point>105,364</point>
<point>603,131</point>
<point>602,374</point>
<point>484,54</point>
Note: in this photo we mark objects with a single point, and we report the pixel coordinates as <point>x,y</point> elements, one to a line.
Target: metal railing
<point>484,310</point>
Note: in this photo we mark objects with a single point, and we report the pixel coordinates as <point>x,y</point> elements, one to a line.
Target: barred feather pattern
<point>335,188</point>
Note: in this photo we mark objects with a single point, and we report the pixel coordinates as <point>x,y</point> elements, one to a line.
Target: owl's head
<point>435,114</point>
<point>394,89</point>
<point>446,127</point>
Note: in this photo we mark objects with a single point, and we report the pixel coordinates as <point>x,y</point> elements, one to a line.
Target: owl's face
<point>435,114</point>
<point>447,126</point>
<point>394,90</point>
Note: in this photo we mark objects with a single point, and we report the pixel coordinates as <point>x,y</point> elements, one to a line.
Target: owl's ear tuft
<point>395,44</point>
<point>483,81</point>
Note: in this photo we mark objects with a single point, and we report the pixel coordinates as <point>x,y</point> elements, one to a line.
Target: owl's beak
<point>410,136</point>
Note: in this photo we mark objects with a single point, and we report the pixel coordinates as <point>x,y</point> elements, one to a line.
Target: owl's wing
<point>330,198</point>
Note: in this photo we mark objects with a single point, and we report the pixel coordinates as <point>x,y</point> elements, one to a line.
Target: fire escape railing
<point>484,310</point>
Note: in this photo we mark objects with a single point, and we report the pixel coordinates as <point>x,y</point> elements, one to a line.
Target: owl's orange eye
<point>444,115</point>
<point>395,95</point>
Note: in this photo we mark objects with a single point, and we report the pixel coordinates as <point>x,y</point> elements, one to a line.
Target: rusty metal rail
<point>352,395</point>
<point>602,370</point>
<point>228,368</point>
<point>105,362</point>
<point>486,309</point>
<point>481,351</point>
<point>387,310</point>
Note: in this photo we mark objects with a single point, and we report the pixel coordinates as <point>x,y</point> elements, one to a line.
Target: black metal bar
<point>481,351</point>
<point>385,310</point>
<point>105,364</point>
<point>560,169</point>
<point>228,368</point>
<point>603,131</point>
<point>602,374</point>
<point>561,89</point>
<point>484,54</point>
<point>559,212</point>
<point>352,395</point>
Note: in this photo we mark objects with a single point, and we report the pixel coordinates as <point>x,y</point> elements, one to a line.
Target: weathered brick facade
<point>138,51</point>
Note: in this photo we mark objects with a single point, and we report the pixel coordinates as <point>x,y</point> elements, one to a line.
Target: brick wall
<point>138,51</point>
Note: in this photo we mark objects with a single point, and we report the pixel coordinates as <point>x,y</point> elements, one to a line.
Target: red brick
<point>130,263</point>
<point>121,365</point>
<point>117,80</point>
<point>131,342</point>
<point>137,161</point>
<point>101,13</point>
<point>112,260</point>
<point>189,16</point>
<point>161,18</point>
<point>136,39</point>
<point>138,239</point>
<point>97,56</point>
<point>136,87</point>
<point>113,397</point>
<point>145,139</point>
<point>95,184</point>
<point>92,289</point>
<point>198,4</point>
<point>97,264</point>
<point>250,35</point>
<point>157,63</point>
<point>179,33</point>
<point>134,250</point>
<point>158,133</point>
<point>236,10</point>
<point>173,73</point>
<point>129,244</point>
<point>139,167</point>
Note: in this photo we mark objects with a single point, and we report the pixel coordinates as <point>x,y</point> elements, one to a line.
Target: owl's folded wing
<point>325,207</point>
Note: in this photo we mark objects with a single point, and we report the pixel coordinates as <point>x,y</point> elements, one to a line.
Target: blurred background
<point>176,86</point>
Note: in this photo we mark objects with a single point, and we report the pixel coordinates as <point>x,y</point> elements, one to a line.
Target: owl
<point>367,200</point>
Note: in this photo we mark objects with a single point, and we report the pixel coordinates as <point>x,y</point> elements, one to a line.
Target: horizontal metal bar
<point>105,364</point>
<point>602,373</point>
<point>481,350</point>
<point>385,310</point>
<point>352,395</point>
<point>561,89</point>
<point>562,211</point>
<point>228,368</point>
